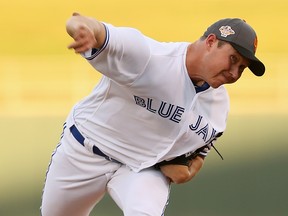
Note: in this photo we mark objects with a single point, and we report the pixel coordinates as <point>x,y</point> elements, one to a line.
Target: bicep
<point>124,55</point>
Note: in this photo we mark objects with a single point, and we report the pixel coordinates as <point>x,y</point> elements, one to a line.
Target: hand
<point>82,30</point>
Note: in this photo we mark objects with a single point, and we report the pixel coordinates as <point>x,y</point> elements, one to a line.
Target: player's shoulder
<point>166,48</point>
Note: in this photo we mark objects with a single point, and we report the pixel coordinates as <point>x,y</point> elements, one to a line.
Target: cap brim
<point>256,66</point>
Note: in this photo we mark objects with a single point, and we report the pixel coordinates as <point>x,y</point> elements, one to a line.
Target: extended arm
<point>87,33</point>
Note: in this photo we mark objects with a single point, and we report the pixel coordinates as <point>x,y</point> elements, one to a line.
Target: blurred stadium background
<point>40,80</point>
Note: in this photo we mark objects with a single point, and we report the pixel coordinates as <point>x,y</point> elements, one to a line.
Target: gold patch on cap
<point>226,31</point>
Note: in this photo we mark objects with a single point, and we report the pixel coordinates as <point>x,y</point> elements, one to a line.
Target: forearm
<point>195,167</point>
<point>181,173</point>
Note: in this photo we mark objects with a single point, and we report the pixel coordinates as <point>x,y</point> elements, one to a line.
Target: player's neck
<point>193,63</point>
<point>199,83</point>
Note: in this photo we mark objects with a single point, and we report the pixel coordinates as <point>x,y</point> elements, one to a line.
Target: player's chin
<point>216,83</point>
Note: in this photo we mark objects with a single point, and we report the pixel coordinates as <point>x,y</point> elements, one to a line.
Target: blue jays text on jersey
<point>174,113</point>
<point>165,110</point>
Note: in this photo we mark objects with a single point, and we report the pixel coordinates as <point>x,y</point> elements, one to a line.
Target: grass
<point>251,180</point>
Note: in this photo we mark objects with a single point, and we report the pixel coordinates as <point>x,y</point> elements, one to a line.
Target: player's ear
<point>210,40</point>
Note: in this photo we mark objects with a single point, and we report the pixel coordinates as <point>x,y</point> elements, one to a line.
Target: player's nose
<point>234,74</point>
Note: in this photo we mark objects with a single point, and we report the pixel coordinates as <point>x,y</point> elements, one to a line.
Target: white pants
<point>78,179</point>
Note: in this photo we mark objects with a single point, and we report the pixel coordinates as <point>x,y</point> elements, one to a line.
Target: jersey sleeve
<point>203,151</point>
<point>123,56</point>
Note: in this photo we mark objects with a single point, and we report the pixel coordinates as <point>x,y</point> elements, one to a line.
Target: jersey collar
<point>204,87</point>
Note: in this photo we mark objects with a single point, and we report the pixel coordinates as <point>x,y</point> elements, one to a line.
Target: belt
<point>79,137</point>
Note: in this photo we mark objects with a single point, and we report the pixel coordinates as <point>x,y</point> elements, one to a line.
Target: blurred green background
<point>40,80</point>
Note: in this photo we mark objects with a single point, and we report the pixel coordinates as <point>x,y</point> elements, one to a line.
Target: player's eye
<point>233,59</point>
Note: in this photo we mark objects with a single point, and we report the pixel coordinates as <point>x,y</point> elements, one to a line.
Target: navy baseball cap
<point>242,37</point>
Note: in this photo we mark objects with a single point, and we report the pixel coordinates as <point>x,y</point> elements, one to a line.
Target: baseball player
<point>150,121</point>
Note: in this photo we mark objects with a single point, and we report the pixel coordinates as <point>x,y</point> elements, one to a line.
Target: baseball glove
<point>184,159</point>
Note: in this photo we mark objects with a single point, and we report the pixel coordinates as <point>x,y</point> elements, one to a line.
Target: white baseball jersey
<point>146,109</point>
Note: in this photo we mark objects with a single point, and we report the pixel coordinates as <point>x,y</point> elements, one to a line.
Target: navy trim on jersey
<point>204,87</point>
<point>96,52</point>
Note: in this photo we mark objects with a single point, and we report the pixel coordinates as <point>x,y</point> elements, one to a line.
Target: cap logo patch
<point>226,31</point>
